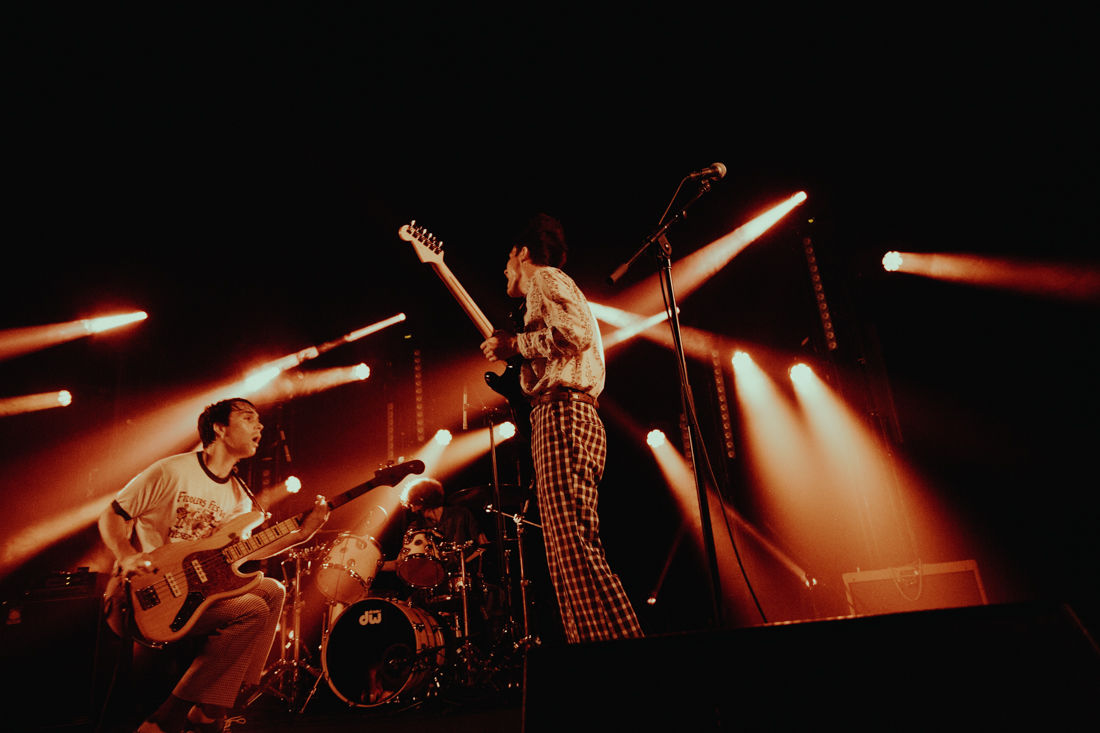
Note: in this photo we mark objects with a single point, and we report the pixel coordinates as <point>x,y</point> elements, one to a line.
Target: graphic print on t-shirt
<point>196,518</point>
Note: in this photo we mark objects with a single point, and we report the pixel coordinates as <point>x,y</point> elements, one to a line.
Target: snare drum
<point>349,568</point>
<point>379,649</point>
<point>419,563</point>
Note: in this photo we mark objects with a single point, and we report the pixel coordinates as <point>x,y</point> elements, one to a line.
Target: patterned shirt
<point>561,342</point>
<point>178,499</point>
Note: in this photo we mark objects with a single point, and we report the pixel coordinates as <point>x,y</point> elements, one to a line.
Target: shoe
<point>203,724</point>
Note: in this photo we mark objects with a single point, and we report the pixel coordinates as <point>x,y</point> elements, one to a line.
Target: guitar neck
<point>480,321</point>
<point>265,537</point>
<point>262,539</point>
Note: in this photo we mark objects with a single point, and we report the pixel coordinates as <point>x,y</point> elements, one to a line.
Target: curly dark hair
<point>544,238</point>
<point>217,414</point>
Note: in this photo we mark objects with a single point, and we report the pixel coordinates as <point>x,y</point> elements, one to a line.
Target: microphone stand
<point>664,256</point>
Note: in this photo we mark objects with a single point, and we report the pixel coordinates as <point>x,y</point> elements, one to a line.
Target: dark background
<point>241,174</point>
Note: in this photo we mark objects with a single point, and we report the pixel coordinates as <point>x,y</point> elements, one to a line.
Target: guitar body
<point>506,384</point>
<point>162,606</point>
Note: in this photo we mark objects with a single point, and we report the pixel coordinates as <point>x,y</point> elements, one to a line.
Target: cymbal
<point>509,494</point>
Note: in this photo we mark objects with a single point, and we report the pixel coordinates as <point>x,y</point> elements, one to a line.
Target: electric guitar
<point>161,606</point>
<point>430,250</point>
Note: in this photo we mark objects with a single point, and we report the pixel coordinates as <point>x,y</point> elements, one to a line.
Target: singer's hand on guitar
<point>501,346</point>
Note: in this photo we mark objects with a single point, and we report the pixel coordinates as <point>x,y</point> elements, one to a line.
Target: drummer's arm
<point>482,543</point>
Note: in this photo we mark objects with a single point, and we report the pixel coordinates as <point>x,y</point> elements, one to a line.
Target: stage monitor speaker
<point>983,666</point>
<point>57,654</point>
<point>915,588</point>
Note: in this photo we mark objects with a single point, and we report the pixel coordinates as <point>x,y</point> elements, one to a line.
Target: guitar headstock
<point>428,247</point>
<point>392,475</point>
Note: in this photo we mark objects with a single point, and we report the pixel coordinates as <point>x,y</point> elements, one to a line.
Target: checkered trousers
<point>569,448</point>
<point>239,633</point>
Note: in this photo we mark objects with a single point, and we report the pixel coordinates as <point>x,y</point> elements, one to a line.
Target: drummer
<point>452,525</point>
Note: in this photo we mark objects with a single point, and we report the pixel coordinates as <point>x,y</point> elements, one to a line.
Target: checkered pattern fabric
<point>569,447</point>
<point>239,633</point>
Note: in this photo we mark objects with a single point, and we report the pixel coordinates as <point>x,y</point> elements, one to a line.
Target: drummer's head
<point>423,495</point>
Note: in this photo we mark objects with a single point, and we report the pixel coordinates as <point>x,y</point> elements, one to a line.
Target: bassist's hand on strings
<point>136,564</point>
<point>501,346</point>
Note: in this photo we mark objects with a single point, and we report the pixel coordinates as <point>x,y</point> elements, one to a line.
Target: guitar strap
<point>248,491</point>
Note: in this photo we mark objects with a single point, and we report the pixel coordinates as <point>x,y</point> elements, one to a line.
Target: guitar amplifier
<point>57,653</point>
<point>919,587</point>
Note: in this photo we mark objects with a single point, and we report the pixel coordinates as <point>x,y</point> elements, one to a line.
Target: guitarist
<point>562,374</point>
<point>188,497</point>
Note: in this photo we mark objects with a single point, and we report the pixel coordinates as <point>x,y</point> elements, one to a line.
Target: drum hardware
<point>527,640</point>
<point>282,677</point>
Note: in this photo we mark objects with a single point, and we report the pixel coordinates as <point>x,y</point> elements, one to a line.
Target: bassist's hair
<point>218,414</point>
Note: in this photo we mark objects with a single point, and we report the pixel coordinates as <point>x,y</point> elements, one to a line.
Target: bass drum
<point>379,649</point>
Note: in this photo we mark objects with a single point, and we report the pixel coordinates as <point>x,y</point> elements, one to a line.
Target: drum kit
<point>451,631</point>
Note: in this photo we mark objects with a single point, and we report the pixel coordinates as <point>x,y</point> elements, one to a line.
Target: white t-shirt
<point>178,499</point>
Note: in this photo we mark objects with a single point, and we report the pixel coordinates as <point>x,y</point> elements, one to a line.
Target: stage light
<point>35,402</point>
<point>257,380</point>
<point>293,484</point>
<point>1065,281</point>
<point>105,323</point>
<point>443,437</point>
<point>891,261</point>
<point>19,341</point>
<point>655,438</point>
<point>801,374</point>
<point>367,330</point>
<point>505,431</point>
<point>260,377</point>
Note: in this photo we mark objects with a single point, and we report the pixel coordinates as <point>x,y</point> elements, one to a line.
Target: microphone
<point>715,170</point>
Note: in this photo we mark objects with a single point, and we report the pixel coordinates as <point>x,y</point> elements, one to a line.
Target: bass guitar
<point>161,606</point>
<point>430,250</point>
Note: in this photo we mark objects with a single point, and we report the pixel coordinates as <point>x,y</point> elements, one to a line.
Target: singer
<point>562,375</point>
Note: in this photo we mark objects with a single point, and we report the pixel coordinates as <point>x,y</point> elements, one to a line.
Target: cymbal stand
<point>466,651</point>
<point>331,607</point>
<point>281,678</point>
<point>527,640</point>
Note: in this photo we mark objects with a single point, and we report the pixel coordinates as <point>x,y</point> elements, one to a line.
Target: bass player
<point>188,497</point>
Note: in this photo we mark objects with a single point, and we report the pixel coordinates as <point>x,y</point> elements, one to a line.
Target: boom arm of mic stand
<point>658,236</point>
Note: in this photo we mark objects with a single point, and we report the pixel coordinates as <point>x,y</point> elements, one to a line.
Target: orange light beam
<point>679,477</point>
<point>19,341</point>
<point>855,462</point>
<point>1057,280</point>
<point>35,402</point>
<point>629,324</point>
<point>264,374</point>
<point>690,272</point>
<point>300,384</point>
